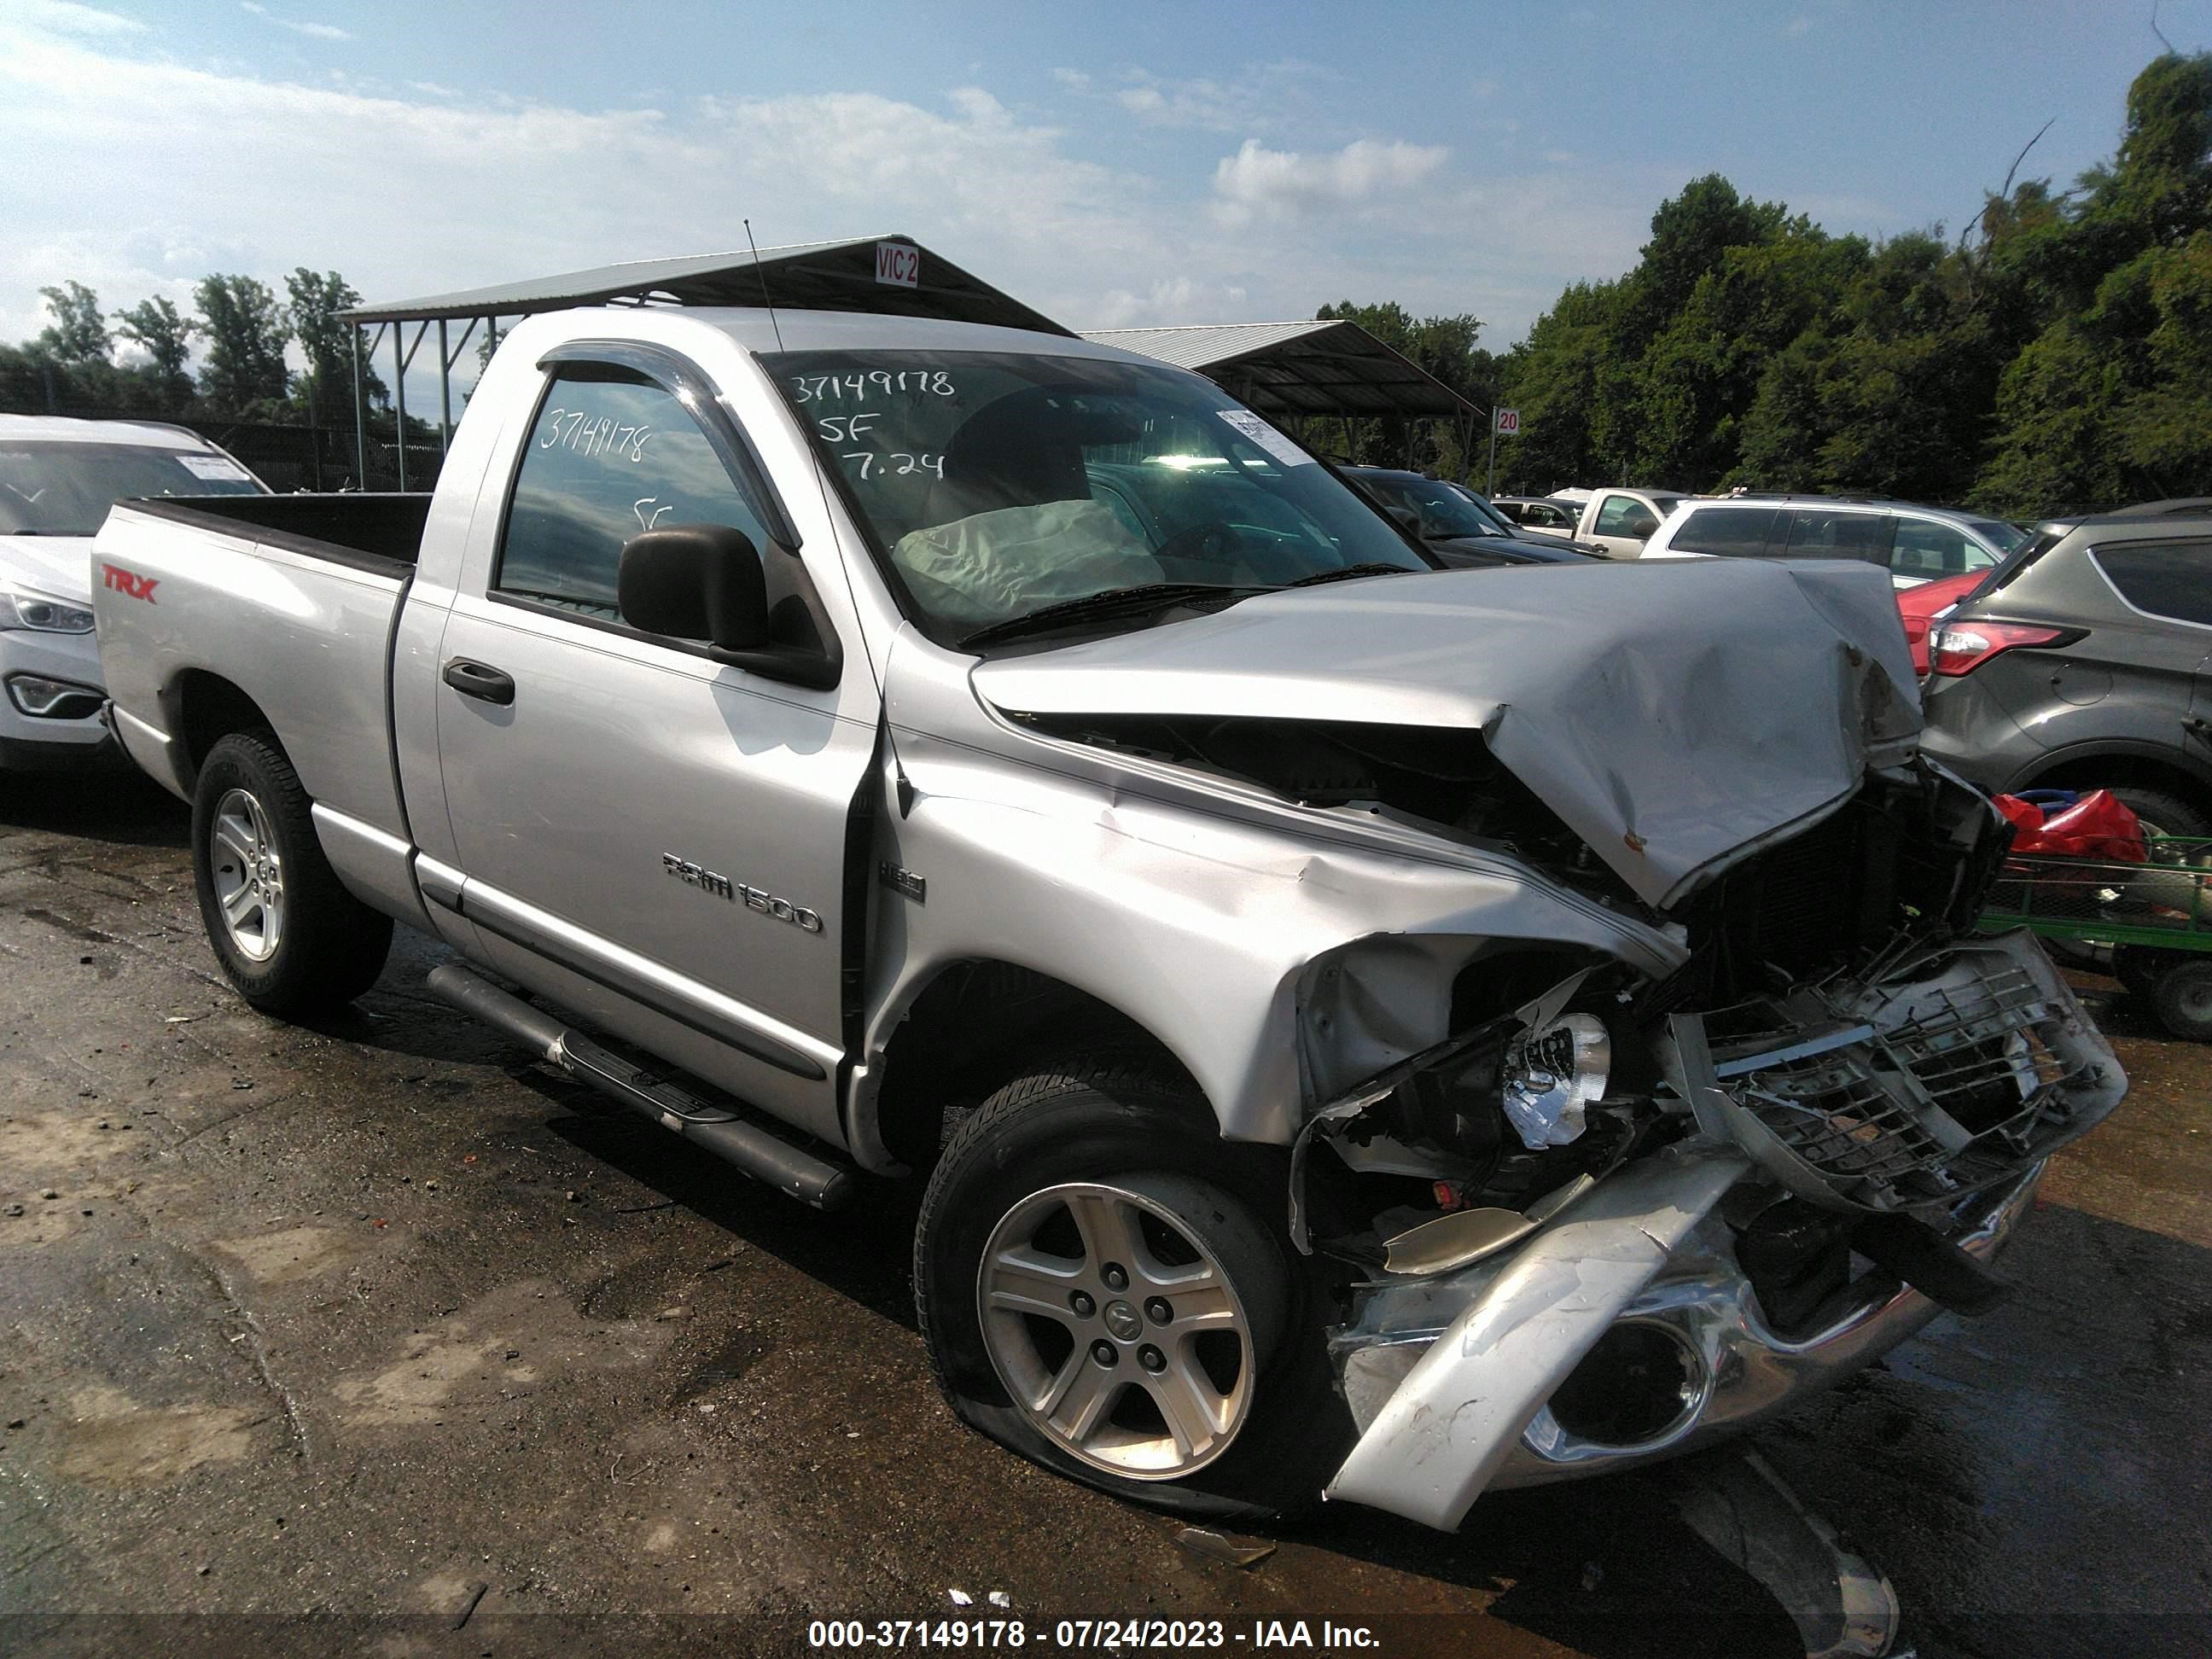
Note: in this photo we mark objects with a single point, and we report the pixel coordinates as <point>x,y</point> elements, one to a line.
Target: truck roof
<point>68,429</point>
<point>752,328</point>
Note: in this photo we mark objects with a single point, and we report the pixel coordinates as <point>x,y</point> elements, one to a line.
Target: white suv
<point>58,476</point>
<point>1915,544</point>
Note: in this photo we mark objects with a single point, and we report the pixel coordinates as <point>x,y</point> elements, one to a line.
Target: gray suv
<point>2082,661</point>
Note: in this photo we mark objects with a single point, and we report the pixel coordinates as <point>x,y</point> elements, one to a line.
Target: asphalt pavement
<point>373,1336</point>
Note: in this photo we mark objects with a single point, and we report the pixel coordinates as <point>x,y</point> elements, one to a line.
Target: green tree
<point>1445,348</point>
<point>1551,378</point>
<point>1698,380</point>
<point>325,390</point>
<point>247,330</point>
<point>1886,390</point>
<point>2107,402</point>
<point>78,334</point>
<point>165,334</point>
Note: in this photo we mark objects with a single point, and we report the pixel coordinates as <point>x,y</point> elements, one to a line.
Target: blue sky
<point>1114,164</point>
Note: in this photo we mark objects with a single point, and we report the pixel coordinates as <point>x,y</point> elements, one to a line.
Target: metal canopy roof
<point>1331,367</point>
<point>803,277</point>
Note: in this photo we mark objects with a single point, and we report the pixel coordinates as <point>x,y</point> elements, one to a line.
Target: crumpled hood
<point>1674,714</point>
<point>53,566</point>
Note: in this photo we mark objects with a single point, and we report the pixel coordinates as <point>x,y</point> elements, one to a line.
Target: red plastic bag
<point>2097,825</point>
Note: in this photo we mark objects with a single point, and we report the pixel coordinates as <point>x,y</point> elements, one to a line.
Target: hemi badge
<point>904,881</point>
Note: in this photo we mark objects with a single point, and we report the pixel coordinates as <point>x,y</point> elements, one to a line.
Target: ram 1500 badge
<point>1370,1030</point>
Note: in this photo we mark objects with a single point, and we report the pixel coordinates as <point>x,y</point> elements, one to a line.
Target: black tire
<point>2164,814</point>
<point>329,947</point>
<point>1134,1121</point>
<point>2183,1000</point>
<point>2140,967</point>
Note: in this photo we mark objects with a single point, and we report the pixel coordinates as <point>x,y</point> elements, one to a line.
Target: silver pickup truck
<point>1366,1030</point>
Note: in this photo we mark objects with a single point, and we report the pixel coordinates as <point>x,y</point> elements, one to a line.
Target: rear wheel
<point>285,931</point>
<point>2140,967</point>
<point>2182,1000</point>
<point>2163,814</point>
<point>1100,1293</point>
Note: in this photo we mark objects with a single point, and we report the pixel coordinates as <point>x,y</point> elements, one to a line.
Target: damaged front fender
<point>1196,907</point>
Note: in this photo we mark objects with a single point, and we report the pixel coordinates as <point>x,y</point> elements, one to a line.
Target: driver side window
<point>610,455</point>
<point>1623,515</point>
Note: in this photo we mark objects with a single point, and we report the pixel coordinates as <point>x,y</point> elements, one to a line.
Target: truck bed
<point>383,532</point>
<point>207,604</point>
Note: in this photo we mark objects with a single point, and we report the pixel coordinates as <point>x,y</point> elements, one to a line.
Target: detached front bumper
<point>1448,1380</point>
<point>1626,1328</point>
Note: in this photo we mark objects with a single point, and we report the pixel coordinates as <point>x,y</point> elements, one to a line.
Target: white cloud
<point>1167,301</point>
<point>1259,99</point>
<point>1259,183</point>
<point>64,17</point>
<point>1074,78</point>
<point>312,31</point>
<point>154,173</point>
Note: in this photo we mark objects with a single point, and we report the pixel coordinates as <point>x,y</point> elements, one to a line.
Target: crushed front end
<point>1611,1217</point>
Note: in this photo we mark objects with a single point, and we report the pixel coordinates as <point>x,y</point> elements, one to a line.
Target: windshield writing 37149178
<point>996,485</point>
<point>575,430</point>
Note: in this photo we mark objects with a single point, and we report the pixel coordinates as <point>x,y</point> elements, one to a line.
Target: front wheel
<point>285,931</point>
<point>1100,1293</point>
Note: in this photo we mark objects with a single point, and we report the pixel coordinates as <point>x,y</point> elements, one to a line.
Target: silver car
<point>58,476</point>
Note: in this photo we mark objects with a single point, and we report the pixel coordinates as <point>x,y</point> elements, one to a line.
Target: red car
<point>1919,605</point>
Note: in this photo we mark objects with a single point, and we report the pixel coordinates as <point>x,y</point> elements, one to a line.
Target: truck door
<point>1621,524</point>
<point>646,836</point>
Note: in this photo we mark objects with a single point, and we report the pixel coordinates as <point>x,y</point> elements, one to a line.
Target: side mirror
<point>695,581</point>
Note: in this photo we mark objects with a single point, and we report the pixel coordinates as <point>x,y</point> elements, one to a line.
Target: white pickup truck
<point>1617,522</point>
<point>1365,1029</point>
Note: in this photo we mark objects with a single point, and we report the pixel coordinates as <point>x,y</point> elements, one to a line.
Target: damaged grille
<point>1913,854</point>
<point>1914,1087</point>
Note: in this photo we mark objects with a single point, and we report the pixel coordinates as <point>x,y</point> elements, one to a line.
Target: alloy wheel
<point>249,876</point>
<point>1116,1328</point>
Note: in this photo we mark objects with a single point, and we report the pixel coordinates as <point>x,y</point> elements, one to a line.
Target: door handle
<point>480,681</point>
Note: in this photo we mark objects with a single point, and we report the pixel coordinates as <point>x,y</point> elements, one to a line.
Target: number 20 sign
<point>1509,423</point>
<point>898,264</point>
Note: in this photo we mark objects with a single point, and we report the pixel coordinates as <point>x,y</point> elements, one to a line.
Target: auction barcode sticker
<point>1267,437</point>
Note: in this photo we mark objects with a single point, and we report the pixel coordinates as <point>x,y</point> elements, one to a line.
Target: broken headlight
<point>1551,1072</point>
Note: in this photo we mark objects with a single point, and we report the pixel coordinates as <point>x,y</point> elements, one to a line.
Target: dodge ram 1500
<point>1366,1030</point>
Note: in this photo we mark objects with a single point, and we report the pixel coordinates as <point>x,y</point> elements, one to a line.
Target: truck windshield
<point>66,488</point>
<point>995,484</point>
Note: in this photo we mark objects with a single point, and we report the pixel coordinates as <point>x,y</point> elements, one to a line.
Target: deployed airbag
<point>991,566</point>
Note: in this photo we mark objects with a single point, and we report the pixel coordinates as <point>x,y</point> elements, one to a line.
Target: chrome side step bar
<point>759,1153</point>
